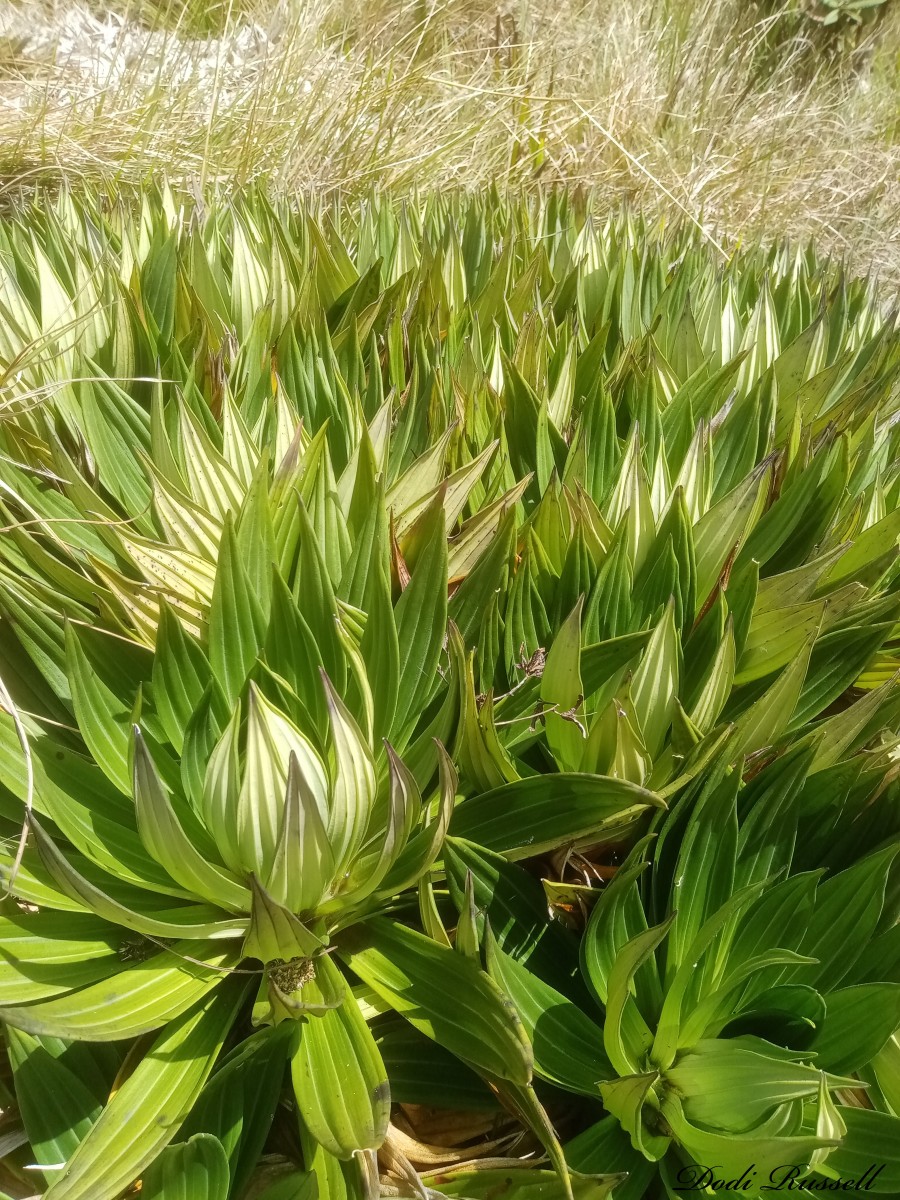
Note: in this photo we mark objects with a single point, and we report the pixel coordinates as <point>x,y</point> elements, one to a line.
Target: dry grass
<point>728,109</point>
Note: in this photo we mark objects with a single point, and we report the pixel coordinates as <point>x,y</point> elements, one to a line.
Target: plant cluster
<point>450,715</point>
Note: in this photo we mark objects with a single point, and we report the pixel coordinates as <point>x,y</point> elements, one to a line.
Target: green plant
<point>743,995</point>
<point>293,500</point>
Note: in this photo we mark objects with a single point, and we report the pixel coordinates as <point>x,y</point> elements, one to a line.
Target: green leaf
<point>422,1072</point>
<point>56,1107</point>
<point>518,1183</point>
<point>300,1185</point>
<point>193,1170</point>
<point>162,834</point>
<point>631,1100</point>
<point>616,918</point>
<point>869,1153</point>
<point>846,914</point>
<point>858,1023</point>
<point>733,1084</point>
<point>236,626</point>
<point>705,868</point>
<point>271,741</point>
<point>353,787</point>
<point>102,717</point>
<point>561,693</point>
<point>303,866</point>
<point>514,903</point>
<point>865,555</point>
<point>443,994</point>
<point>421,617</point>
<point>721,529</point>
<point>316,600</point>
<point>625,1057</point>
<point>769,716</point>
<point>655,684</point>
<point>238,1103</point>
<point>181,674</point>
<point>731,1153</point>
<point>530,816</point>
<point>340,1083</point>
<point>197,921</point>
<point>146,1112</point>
<point>45,953</point>
<point>134,1001</point>
<point>275,933</point>
<point>605,1146</point>
<point>380,646</point>
<point>566,1043</point>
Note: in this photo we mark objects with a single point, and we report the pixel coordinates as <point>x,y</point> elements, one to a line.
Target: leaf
<point>181,674</point>
<point>518,1183</point>
<point>353,788</point>
<point>513,901</point>
<point>561,693</point>
<point>56,1107</point>
<point>769,716</point>
<point>617,917</point>
<point>45,953</point>
<point>236,625</point>
<point>722,528</point>
<point>670,1027</point>
<point>733,1084</point>
<point>638,950</point>
<point>530,816</point>
<point>300,1185</point>
<point>146,1112</point>
<point>566,1043</point>
<point>731,1153</point>
<point>719,682</point>
<point>705,868</point>
<point>313,591</point>
<point>340,1083</point>
<point>858,1023</point>
<point>869,1153</point>
<point>162,834</point>
<point>443,994</point>
<point>303,866</point>
<point>187,921</point>
<point>134,1001</point>
<point>601,661</point>
<point>380,646</point>
<point>655,683</point>
<point>865,554</point>
<point>847,909</point>
<point>422,1072</point>
<point>102,717</point>
<point>271,741</point>
<point>193,1170</point>
<point>238,1102</point>
<point>421,617</point>
<point>275,933</point>
<point>605,1146</point>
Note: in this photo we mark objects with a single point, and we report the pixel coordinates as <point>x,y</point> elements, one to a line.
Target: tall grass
<point>733,111</point>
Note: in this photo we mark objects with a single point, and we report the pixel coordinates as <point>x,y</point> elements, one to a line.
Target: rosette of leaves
<point>178,877</point>
<point>735,999</point>
<point>202,822</point>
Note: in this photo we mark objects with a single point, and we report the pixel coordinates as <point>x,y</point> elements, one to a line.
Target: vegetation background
<point>758,117</point>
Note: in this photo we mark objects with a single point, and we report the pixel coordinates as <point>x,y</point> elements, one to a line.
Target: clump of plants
<point>450,722</point>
